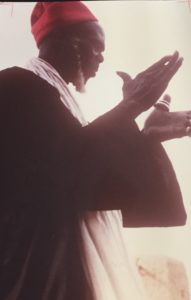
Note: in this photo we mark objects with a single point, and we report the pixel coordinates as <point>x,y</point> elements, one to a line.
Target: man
<point>63,184</point>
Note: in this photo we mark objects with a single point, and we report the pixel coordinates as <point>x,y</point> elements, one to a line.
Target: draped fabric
<point>43,69</point>
<point>109,269</point>
<point>107,261</point>
<point>61,184</point>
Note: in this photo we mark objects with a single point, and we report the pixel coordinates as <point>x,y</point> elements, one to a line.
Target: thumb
<point>124,76</point>
<point>164,103</point>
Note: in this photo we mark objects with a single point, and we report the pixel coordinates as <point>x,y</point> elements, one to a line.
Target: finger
<point>188,122</point>
<point>167,67</point>
<point>165,75</point>
<point>180,118</point>
<point>124,76</point>
<point>164,103</point>
<point>159,63</point>
<point>162,62</point>
<point>175,57</point>
<point>173,69</point>
<point>166,99</point>
<point>161,69</point>
<point>172,62</point>
<point>188,131</point>
<point>188,114</point>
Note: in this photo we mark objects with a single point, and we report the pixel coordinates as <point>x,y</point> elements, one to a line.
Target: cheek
<point>88,64</point>
<point>87,56</point>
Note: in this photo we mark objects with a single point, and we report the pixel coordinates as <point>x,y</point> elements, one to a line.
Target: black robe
<point>52,169</point>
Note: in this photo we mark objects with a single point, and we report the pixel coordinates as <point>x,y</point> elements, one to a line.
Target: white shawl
<point>44,70</point>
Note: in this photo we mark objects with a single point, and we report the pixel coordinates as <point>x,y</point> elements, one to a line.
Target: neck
<point>61,68</point>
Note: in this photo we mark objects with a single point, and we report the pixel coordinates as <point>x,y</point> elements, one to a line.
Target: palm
<point>162,126</point>
<point>147,87</point>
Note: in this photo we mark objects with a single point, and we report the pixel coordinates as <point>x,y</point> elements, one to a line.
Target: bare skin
<point>163,125</point>
<point>147,87</point>
<point>60,52</point>
<point>140,93</point>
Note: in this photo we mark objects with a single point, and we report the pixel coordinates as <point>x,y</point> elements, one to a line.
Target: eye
<point>97,48</point>
<point>90,47</point>
<point>96,51</point>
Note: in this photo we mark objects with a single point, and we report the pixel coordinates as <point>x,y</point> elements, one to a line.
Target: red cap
<point>48,16</point>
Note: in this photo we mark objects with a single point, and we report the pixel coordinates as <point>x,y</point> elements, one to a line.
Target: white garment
<point>44,70</point>
<point>108,267</point>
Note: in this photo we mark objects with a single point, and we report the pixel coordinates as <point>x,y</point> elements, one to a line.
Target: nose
<point>100,58</point>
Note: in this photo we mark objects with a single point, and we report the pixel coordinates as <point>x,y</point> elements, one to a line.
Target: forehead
<point>91,29</point>
<point>92,32</point>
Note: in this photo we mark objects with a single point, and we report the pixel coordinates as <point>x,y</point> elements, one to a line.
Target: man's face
<point>91,47</point>
<point>90,41</point>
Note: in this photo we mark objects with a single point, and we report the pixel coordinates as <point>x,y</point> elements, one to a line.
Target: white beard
<point>79,83</point>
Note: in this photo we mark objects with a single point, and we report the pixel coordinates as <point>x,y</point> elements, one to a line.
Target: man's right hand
<point>140,93</point>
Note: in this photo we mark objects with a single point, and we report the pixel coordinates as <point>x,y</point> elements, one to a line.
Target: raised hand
<point>163,125</point>
<point>148,86</point>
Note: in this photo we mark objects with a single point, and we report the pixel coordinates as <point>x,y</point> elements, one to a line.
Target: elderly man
<point>67,186</point>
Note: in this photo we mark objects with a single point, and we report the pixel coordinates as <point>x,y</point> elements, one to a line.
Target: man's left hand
<point>162,125</point>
